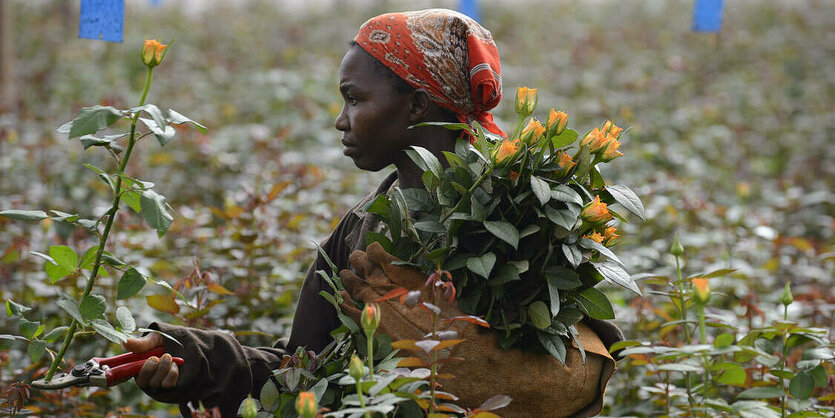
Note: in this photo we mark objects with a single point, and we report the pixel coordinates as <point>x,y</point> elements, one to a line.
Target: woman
<point>401,70</point>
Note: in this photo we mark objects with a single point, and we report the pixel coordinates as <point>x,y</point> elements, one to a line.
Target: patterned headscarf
<point>444,52</point>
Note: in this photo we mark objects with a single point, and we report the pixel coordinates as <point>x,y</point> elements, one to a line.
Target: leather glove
<point>539,385</point>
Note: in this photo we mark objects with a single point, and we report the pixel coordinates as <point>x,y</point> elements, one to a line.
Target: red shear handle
<point>129,357</point>
<point>124,372</point>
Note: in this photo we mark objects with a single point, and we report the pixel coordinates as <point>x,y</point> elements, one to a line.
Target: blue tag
<point>470,8</point>
<point>707,15</point>
<point>102,19</point>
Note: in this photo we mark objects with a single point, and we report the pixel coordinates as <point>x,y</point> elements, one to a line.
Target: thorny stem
<point>683,311</point>
<point>117,196</point>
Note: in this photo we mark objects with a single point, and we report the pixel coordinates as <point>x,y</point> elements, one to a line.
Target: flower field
<point>727,142</point>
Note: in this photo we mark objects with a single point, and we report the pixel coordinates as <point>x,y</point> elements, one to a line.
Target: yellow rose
<point>566,164</point>
<point>610,150</point>
<point>610,235</point>
<point>595,236</point>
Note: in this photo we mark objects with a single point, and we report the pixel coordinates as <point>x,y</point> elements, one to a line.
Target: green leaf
<point>482,265</point>
<point>29,329</point>
<point>153,111</point>
<point>801,385</point>
<point>63,216</point>
<point>430,226</point>
<point>106,330</point>
<point>93,119</point>
<point>92,307</point>
<point>541,189</point>
<point>154,212</point>
<point>566,138</point>
<point>270,399</point>
<point>564,193</point>
<point>595,304</point>
<point>125,318</point>
<point>88,141</point>
<point>761,392</point>
<point>24,215</point>
<point>628,199</point>
<point>418,199</point>
<point>553,344</point>
<point>164,134</point>
<point>723,340</point>
<point>426,160</point>
<point>564,217</point>
<point>554,297</point>
<point>55,334</point>
<point>539,314</point>
<point>71,308</point>
<point>178,119</point>
<point>504,273</point>
<point>730,374</point>
<point>594,245</point>
<point>583,163</point>
<point>36,350</point>
<point>132,199</point>
<point>89,258</point>
<point>680,367</point>
<point>131,283</point>
<point>616,275</point>
<point>572,254</point>
<point>102,175</point>
<point>65,262</point>
<point>562,278</point>
<point>504,231</point>
<point>15,309</point>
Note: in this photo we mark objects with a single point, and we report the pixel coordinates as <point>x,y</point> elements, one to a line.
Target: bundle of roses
<point>523,224</point>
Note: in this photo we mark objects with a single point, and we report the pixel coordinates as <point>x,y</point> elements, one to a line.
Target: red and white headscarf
<point>444,52</point>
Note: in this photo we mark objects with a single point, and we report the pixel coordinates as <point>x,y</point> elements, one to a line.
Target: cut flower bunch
<point>523,224</point>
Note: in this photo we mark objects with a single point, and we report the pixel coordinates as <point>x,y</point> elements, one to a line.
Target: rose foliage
<point>525,225</point>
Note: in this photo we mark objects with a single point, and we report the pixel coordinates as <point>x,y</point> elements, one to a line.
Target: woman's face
<point>374,116</point>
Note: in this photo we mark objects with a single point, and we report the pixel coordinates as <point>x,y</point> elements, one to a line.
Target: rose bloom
<point>610,150</point>
<point>610,235</point>
<point>701,290</point>
<point>556,122</point>
<point>595,236</point>
<point>370,317</point>
<point>153,52</point>
<point>507,149</point>
<point>306,404</point>
<point>596,211</point>
<point>525,100</point>
<point>532,132</point>
<point>566,164</point>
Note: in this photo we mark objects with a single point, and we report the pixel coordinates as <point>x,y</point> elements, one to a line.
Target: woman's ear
<point>421,106</point>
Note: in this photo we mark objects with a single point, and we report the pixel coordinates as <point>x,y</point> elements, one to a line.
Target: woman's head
<point>417,71</point>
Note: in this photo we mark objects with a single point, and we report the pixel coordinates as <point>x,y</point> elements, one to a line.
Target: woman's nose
<point>341,122</point>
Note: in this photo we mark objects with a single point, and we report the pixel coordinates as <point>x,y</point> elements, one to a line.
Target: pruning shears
<point>102,371</point>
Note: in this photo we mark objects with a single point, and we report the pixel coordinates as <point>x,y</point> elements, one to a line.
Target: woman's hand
<point>157,373</point>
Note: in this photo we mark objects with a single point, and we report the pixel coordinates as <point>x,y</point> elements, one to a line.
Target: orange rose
<point>566,164</point>
<point>701,289</point>
<point>507,149</point>
<point>610,150</point>
<point>532,132</point>
<point>610,235</point>
<point>153,52</point>
<point>595,236</point>
<point>526,99</point>
<point>306,405</point>
<point>556,122</point>
<point>596,212</point>
<point>370,318</point>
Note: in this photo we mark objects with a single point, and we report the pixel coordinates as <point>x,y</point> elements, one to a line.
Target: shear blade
<point>61,381</point>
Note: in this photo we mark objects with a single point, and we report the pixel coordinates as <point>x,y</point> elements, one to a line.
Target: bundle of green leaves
<point>523,225</point>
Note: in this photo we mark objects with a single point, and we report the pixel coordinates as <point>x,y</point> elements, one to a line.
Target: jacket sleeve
<point>218,370</point>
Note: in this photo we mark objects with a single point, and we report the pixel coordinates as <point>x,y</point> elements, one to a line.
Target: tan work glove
<point>539,385</point>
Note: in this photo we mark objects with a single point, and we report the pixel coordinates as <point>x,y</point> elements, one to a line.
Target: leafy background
<point>729,146</point>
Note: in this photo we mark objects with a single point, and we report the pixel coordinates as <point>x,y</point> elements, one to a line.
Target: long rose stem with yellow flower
<point>111,213</point>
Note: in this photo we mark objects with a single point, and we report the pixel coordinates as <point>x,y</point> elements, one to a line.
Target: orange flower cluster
<point>596,214</point>
<point>604,141</point>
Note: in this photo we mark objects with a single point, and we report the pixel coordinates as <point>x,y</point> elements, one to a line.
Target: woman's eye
<point>351,100</point>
